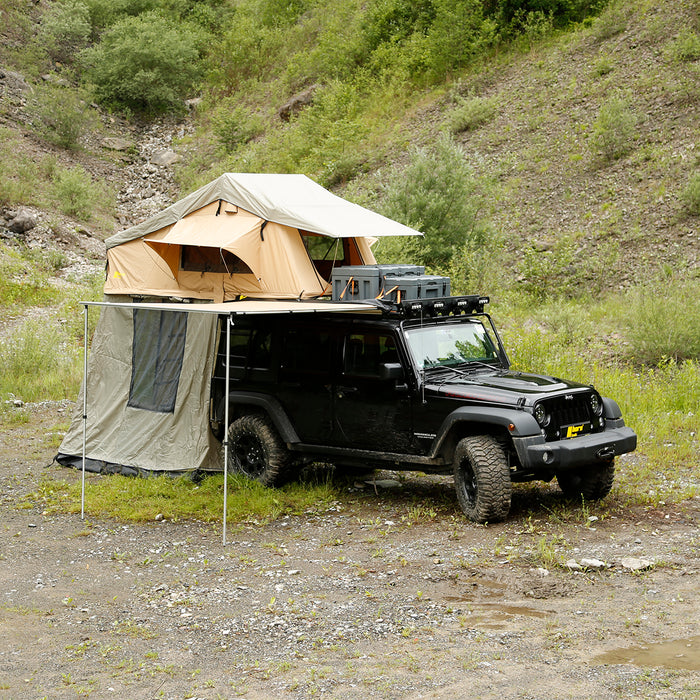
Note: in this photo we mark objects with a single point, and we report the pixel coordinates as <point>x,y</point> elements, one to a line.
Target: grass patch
<point>24,278</point>
<point>39,363</point>
<point>141,499</point>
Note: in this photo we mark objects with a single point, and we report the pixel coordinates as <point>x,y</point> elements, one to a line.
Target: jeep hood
<point>505,386</point>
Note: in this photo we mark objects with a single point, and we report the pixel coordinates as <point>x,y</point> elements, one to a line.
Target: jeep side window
<point>239,346</point>
<point>364,352</point>
<point>307,351</point>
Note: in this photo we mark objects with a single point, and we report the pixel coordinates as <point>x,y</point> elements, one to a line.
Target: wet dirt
<point>379,596</point>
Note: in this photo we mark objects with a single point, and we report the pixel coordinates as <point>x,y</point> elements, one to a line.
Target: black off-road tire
<point>257,451</point>
<point>591,482</point>
<point>482,478</point>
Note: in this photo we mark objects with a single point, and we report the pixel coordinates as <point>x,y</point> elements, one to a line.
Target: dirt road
<point>374,598</point>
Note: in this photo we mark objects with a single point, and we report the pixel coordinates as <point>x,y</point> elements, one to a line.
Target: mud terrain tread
<point>482,478</point>
<point>256,430</point>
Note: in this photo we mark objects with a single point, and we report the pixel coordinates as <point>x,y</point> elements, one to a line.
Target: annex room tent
<point>245,234</point>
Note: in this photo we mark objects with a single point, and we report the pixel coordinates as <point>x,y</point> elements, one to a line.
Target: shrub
<point>75,192</point>
<point>657,332</point>
<point>146,63</point>
<point>614,130</point>
<point>65,29</point>
<point>234,125</point>
<point>471,113</point>
<point>60,115</point>
<point>691,194</point>
<point>458,33</point>
<point>437,194</point>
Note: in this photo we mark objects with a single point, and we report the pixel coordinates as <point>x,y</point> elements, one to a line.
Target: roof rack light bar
<point>442,306</point>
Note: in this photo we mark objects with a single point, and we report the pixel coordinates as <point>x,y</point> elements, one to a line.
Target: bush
<point>458,34</point>
<point>234,125</point>
<point>75,193</point>
<point>65,29</point>
<point>471,113</point>
<point>663,321</point>
<point>146,63</point>
<point>60,115</point>
<point>614,130</point>
<point>691,194</point>
<point>437,194</point>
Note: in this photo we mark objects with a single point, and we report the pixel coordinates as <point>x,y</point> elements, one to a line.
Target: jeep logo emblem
<point>569,397</point>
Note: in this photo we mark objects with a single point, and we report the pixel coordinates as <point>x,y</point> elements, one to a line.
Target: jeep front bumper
<point>537,455</point>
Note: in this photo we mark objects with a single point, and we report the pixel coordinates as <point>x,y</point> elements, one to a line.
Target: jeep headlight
<point>596,405</point>
<point>541,415</point>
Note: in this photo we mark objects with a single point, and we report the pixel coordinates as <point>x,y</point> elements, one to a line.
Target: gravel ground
<point>376,597</point>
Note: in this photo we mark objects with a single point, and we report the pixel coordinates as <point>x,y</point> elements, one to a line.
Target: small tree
<point>146,63</point>
<point>437,194</point>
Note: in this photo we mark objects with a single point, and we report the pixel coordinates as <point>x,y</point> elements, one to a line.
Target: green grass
<point>141,499</point>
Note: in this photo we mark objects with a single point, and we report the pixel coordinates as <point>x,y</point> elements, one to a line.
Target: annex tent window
<point>158,349</point>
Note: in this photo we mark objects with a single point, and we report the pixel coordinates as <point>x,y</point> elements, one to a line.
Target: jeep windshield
<point>457,345</point>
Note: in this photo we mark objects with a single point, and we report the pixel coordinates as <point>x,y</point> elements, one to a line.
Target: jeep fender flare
<point>512,422</point>
<point>610,409</point>
<point>270,405</point>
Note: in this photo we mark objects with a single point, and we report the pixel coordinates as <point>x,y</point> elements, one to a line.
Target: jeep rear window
<point>451,345</point>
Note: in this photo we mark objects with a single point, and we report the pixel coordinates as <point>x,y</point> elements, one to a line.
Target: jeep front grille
<point>572,411</point>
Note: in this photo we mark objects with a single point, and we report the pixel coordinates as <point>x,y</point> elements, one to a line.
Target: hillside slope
<point>580,203</point>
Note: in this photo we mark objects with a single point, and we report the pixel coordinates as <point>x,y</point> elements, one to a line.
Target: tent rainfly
<point>144,404</point>
<point>245,234</point>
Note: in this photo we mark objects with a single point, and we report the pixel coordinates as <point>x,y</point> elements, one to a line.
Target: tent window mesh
<point>203,259</point>
<point>156,363</point>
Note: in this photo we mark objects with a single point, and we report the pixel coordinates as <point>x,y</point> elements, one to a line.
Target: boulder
<point>22,222</point>
<point>296,103</point>
<point>165,158</point>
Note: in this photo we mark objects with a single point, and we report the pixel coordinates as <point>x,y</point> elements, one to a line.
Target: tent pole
<point>85,362</point>
<point>229,323</point>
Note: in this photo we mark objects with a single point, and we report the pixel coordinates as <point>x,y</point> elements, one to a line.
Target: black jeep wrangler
<point>423,386</point>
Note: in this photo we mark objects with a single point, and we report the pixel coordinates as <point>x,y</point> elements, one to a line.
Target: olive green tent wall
<point>122,437</point>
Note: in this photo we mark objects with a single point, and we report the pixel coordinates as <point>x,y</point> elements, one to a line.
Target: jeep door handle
<point>342,390</point>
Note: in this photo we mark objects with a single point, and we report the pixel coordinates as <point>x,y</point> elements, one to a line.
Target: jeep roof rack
<point>438,306</point>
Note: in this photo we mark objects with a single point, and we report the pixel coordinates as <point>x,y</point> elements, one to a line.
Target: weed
<point>691,195</point>
<point>686,48</point>
<point>470,113</point>
<point>614,130</point>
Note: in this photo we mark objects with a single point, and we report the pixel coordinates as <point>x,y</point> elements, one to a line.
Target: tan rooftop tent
<point>244,234</point>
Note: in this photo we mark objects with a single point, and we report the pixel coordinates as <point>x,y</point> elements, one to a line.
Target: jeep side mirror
<point>390,370</point>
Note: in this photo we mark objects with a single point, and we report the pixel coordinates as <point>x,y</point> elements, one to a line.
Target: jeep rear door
<point>305,380</point>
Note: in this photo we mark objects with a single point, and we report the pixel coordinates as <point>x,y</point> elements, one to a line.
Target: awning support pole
<point>85,387</point>
<point>229,323</point>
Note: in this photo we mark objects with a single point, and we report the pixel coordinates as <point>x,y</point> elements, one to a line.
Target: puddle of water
<point>682,654</point>
<point>491,615</point>
<point>496,615</point>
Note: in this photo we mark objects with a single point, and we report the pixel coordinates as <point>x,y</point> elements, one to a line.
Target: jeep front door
<point>371,411</point>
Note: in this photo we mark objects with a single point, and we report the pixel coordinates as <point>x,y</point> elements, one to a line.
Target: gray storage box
<point>358,282</point>
<point>416,287</point>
